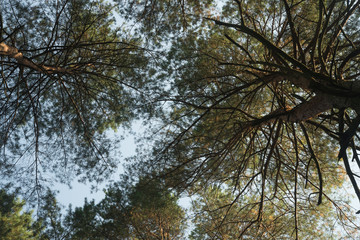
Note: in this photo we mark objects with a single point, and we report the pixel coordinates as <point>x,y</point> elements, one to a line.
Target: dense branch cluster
<point>268,104</point>
<point>67,75</point>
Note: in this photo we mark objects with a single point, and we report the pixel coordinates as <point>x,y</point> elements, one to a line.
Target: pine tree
<point>68,74</point>
<point>264,95</point>
<point>15,223</point>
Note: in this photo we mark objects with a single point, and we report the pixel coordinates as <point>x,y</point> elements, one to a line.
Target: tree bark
<point>12,52</point>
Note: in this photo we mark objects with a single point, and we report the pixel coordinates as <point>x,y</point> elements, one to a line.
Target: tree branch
<point>12,52</point>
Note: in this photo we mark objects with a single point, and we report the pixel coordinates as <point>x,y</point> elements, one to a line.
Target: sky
<point>79,191</point>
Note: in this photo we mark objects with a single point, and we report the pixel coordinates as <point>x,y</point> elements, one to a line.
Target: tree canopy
<point>15,223</point>
<point>264,99</point>
<point>252,106</point>
<point>68,73</point>
<point>145,210</point>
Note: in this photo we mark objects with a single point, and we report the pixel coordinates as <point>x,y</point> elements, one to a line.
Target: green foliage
<point>15,223</point>
<point>78,75</point>
<point>154,211</point>
<point>144,211</point>
<point>218,216</point>
<point>159,19</point>
<point>50,217</point>
<point>256,103</point>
